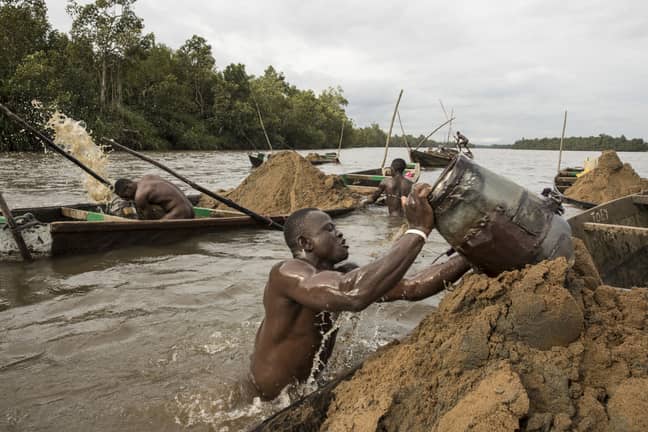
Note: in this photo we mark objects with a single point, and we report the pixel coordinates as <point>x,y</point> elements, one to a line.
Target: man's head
<point>125,188</point>
<point>458,133</point>
<point>310,233</point>
<point>398,166</point>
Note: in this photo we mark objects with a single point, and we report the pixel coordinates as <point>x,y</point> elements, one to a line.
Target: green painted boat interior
<point>201,212</point>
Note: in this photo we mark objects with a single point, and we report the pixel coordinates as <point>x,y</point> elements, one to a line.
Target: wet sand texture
<point>543,348</point>
<point>611,179</point>
<point>285,183</point>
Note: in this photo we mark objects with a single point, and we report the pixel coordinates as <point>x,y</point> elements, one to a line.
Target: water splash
<point>72,136</point>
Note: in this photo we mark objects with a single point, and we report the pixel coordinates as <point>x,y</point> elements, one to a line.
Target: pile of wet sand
<point>547,348</point>
<point>285,183</point>
<point>611,179</point>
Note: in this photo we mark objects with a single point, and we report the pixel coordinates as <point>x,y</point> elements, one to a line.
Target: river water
<point>159,338</point>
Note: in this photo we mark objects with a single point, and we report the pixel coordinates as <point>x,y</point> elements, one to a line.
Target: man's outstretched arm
<point>429,281</point>
<point>354,291</point>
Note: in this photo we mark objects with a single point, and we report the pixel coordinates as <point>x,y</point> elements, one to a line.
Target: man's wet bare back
<point>155,198</point>
<point>303,294</point>
<point>396,188</point>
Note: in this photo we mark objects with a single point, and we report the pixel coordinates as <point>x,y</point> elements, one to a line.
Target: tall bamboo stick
<point>562,138</point>
<point>403,131</point>
<point>261,121</point>
<point>340,144</point>
<point>391,126</point>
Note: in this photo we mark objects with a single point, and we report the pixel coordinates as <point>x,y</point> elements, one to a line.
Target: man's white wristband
<point>418,233</point>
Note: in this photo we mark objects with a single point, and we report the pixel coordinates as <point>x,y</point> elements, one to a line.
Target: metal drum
<point>495,223</point>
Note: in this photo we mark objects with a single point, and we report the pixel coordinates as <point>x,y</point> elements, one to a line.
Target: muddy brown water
<point>159,338</point>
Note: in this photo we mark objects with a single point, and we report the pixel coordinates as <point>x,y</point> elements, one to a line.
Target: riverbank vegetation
<point>596,143</point>
<point>127,85</point>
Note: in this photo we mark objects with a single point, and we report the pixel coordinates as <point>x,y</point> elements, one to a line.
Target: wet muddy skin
<point>159,338</point>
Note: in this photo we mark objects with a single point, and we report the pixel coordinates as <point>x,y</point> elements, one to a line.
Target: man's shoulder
<point>292,268</point>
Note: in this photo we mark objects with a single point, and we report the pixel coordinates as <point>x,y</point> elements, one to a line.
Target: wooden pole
<point>403,131</point>
<point>53,146</point>
<point>262,126</point>
<point>257,217</point>
<point>420,143</point>
<point>450,126</point>
<point>340,144</point>
<point>391,126</point>
<point>15,230</point>
<point>562,138</point>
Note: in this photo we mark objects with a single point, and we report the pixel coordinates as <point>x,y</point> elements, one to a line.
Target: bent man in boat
<point>396,189</point>
<point>303,294</point>
<point>155,198</point>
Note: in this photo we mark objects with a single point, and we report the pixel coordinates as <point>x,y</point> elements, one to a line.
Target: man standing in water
<point>155,198</point>
<point>396,189</point>
<point>302,294</point>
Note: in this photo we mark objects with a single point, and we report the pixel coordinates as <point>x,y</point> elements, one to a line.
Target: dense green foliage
<point>127,86</point>
<point>601,142</point>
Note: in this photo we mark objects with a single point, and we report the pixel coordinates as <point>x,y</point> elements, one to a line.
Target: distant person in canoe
<point>396,189</point>
<point>303,294</point>
<point>155,198</point>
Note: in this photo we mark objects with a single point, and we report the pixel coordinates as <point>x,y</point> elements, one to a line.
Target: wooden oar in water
<point>257,217</point>
<point>53,146</point>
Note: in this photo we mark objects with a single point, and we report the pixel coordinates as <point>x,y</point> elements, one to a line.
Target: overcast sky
<point>508,68</point>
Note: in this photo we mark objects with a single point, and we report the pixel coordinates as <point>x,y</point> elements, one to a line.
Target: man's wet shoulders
<point>292,268</point>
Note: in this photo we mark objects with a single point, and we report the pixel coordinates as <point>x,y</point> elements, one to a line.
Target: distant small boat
<point>257,159</point>
<point>563,180</point>
<point>87,228</point>
<point>371,178</point>
<point>616,235</point>
<point>320,159</point>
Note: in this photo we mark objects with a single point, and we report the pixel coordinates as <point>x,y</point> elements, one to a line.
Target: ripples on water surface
<point>159,338</point>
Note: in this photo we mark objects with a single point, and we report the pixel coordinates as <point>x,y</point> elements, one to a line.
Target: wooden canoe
<point>320,159</point>
<point>432,158</point>
<point>563,180</point>
<point>256,159</point>
<point>373,177</point>
<point>85,228</point>
<point>616,234</point>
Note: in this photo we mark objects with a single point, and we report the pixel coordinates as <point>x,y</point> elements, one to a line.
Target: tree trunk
<point>102,95</point>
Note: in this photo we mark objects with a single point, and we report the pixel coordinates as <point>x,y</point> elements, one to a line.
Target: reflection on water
<point>160,338</point>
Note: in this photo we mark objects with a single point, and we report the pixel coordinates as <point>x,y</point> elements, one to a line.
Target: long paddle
<point>257,217</point>
<point>53,146</point>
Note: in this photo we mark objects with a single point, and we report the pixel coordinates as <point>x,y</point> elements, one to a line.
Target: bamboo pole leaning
<point>391,126</point>
<point>562,138</point>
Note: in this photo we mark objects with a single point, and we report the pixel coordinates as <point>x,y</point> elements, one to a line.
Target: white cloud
<point>509,68</point>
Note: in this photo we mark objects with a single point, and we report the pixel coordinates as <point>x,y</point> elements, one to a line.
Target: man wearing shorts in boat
<point>303,294</point>
<point>462,144</point>
<point>155,198</point>
<point>396,189</point>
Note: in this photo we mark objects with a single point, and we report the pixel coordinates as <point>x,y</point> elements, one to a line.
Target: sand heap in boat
<point>611,179</point>
<point>547,348</point>
<point>288,182</point>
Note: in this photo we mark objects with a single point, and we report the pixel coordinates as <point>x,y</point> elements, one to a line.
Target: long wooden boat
<point>371,178</point>
<point>320,159</point>
<point>257,159</point>
<point>616,234</point>
<point>433,158</point>
<point>84,228</point>
<point>563,180</point>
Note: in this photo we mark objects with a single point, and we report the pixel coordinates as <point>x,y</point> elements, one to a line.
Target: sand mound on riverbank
<point>285,183</point>
<point>544,348</point>
<point>611,179</point>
